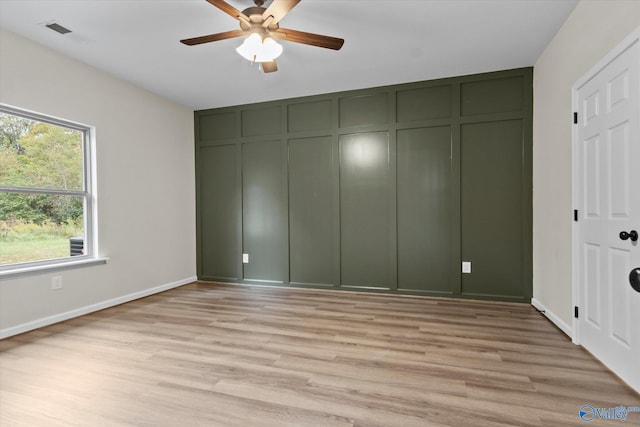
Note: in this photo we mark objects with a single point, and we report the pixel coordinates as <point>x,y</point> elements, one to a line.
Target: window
<point>46,198</point>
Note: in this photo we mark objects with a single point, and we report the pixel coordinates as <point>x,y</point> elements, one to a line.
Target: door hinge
<point>575,215</point>
<point>575,118</point>
<point>575,311</point>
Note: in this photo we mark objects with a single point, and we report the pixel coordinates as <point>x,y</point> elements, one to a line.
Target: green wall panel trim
<point>310,116</point>
<point>216,126</point>
<point>364,209</point>
<point>218,197</point>
<point>264,213</point>
<point>426,103</point>
<point>490,96</point>
<point>293,170</point>
<point>424,209</point>
<point>364,110</point>
<point>262,121</point>
<point>491,194</point>
<point>311,210</point>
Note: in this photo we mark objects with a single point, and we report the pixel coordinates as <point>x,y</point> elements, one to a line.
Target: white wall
<point>146,185</point>
<point>593,29</point>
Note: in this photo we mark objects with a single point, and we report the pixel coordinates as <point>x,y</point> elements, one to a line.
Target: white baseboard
<point>554,318</point>
<point>50,320</point>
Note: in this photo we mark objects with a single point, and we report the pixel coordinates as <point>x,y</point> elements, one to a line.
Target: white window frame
<point>88,193</point>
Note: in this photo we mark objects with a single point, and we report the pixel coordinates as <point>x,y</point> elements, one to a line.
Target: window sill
<point>41,269</point>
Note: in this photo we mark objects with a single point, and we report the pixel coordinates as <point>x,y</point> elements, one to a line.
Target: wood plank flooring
<point>228,355</point>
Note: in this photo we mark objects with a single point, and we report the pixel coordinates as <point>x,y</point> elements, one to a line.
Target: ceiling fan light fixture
<point>255,49</point>
<point>271,49</point>
<point>250,47</point>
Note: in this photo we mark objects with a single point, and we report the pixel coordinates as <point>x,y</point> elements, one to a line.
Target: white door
<point>607,174</point>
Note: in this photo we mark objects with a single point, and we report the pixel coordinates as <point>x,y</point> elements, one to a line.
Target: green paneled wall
<point>385,189</point>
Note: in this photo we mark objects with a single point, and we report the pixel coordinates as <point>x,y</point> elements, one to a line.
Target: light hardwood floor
<point>229,355</point>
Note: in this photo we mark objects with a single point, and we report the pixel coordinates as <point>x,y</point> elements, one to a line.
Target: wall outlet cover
<point>56,282</point>
<point>245,258</point>
<point>466,266</point>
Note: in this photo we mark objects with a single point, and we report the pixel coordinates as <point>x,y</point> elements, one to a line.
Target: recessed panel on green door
<point>264,214</point>
<point>219,220</point>
<point>491,208</point>
<point>364,209</point>
<point>311,210</point>
<point>424,209</point>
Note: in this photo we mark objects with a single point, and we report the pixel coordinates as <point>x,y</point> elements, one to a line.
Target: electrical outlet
<point>56,283</point>
<point>466,266</point>
<point>245,258</point>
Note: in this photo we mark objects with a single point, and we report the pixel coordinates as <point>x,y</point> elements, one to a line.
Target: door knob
<point>633,235</point>
<point>634,278</point>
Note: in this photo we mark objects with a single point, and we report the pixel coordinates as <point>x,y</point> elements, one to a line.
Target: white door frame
<point>575,184</point>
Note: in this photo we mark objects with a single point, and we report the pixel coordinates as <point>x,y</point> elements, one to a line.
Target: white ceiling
<point>386,42</point>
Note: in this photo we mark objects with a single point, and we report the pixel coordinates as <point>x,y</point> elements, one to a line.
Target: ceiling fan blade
<point>278,9</point>
<point>229,10</point>
<point>214,37</point>
<point>269,67</point>
<point>310,38</point>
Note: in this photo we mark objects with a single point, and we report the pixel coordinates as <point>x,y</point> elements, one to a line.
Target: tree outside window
<point>45,202</point>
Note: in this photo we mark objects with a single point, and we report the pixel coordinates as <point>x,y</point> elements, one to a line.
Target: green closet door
<point>364,209</point>
<point>219,219</point>
<point>264,214</point>
<point>424,209</point>
<point>491,204</point>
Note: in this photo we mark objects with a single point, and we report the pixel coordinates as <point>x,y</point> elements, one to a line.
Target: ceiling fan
<point>260,27</point>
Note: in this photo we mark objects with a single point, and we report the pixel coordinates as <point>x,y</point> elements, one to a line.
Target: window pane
<point>36,227</point>
<point>38,154</point>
